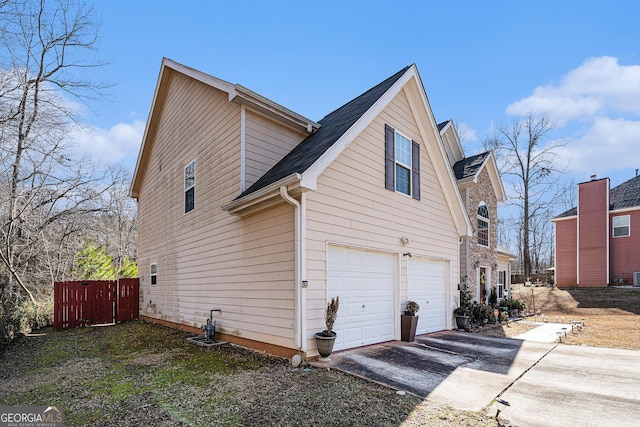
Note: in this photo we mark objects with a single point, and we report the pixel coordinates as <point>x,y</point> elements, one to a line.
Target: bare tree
<point>45,50</point>
<point>531,166</point>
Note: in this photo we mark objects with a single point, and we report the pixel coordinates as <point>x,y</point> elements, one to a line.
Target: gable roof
<point>237,93</point>
<point>624,196</point>
<point>300,168</point>
<point>344,125</point>
<point>468,169</point>
<point>470,166</point>
<point>332,127</point>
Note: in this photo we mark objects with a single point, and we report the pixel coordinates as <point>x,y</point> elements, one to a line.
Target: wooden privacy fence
<point>92,302</point>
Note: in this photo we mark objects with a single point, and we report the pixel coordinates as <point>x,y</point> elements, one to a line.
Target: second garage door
<point>364,281</point>
<point>427,283</point>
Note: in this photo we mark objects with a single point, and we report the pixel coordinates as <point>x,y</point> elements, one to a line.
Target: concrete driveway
<point>545,384</point>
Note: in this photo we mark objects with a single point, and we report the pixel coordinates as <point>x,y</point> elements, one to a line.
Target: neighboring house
<point>248,207</point>
<point>483,263</point>
<point>598,242</point>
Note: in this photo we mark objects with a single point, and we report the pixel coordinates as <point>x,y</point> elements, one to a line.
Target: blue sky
<point>482,63</point>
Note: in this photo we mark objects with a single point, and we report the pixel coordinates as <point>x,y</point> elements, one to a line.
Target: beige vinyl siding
<point>351,206</point>
<point>207,258</point>
<point>267,142</point>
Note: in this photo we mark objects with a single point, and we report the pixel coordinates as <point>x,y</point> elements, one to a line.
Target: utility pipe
<point>297,267</point>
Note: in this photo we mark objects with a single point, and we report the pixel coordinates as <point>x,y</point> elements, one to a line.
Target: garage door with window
<point>364,281</point>
<point>427,284</point>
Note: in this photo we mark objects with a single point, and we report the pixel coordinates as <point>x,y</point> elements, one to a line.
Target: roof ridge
<point>393,77</point>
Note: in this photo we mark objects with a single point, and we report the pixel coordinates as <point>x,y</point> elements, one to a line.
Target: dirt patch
<point>611,315</point>
<point>506,330</point>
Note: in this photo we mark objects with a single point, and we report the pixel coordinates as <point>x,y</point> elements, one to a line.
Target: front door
<point>482,285</point>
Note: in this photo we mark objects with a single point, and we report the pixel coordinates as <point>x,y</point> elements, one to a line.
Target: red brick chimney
<point>593,232</point>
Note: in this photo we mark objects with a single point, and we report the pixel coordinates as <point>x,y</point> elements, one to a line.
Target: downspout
<point>243,148</point>
<point>297,266</point>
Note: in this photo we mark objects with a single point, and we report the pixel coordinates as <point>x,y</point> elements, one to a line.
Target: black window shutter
<point>415,170</point>
<point>390,158</point>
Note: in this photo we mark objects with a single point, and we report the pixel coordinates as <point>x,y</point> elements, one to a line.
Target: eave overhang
<point>264,198</point>
<point>259,103</point>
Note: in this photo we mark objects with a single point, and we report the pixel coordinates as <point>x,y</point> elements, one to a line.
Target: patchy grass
<point>144,374</point>
<point>612,315</point>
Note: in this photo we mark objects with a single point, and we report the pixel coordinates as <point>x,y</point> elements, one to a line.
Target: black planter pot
<point>408,327</point>
<point>325,343</point>
<point>462,322</point>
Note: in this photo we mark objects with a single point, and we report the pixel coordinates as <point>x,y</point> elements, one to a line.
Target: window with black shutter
<point>402,163</point>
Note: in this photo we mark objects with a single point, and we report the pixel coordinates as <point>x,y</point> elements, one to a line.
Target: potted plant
<point>327,338</point>
<point>409,321</point>
<point>463,313</point>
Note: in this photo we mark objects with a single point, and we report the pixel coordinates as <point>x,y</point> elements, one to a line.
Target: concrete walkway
<point>545,332</point>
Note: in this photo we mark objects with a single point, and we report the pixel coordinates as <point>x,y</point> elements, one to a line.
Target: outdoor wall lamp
<point>476,264</point>
<point>405,240</point>
<point>494,266</point>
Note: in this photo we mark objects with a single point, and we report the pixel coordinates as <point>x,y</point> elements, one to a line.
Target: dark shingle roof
<point>469,165</point>
<point>333,126</point>
<point>443,124</point>
<point>625,195</point>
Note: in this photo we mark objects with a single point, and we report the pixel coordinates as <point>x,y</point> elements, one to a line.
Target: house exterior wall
<point>352,207</point>
<point>566,231</point>
<point>477,192</point>
<point>593,233</point>
<point>207,258</point>
<point>266,143</point>
<point>624,251</point>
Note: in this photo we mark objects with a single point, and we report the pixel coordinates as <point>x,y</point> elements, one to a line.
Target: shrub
<point>21,317</point>
<point>412,308</point>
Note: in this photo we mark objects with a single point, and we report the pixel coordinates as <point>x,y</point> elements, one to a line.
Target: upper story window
<point>402,163</point>
<point>621,226</point>
<point>190,187</point>
<point>483,225</point>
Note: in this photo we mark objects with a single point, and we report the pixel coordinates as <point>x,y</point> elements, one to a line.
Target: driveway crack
<point>504,390</point>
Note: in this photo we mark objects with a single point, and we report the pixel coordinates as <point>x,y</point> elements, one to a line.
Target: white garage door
<point>427,286</point>
<point>364,281</point>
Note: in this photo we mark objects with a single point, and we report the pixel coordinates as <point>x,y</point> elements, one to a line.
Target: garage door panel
<point>364,281</point>
<point>427,282</point>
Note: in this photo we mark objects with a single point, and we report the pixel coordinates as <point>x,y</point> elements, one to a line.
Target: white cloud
<point>119,144</point>
<point>608,145</point>
<point>466,133</point>
<point>599,86</point>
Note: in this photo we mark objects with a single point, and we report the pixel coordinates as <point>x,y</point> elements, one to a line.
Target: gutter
<point>237,205</point>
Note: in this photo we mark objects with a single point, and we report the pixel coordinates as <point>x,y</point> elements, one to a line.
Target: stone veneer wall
<point>482,191</point>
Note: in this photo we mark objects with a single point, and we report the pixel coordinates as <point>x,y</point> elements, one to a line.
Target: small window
<point>621,226</point>
<point>483,225</point>
<point>403,164</point>
<point>190,187</point>
<point>501,280</point>
<point>154,274</point>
